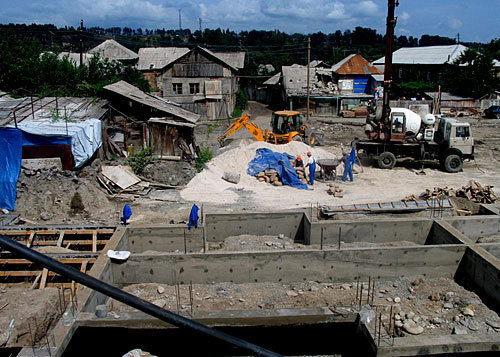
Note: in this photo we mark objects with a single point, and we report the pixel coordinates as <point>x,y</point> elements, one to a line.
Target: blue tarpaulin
<point>11,152</point>
<point>267,159</point>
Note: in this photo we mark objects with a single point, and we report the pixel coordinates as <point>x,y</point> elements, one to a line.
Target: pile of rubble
<point>472,191</point>
<point>270,176</point>
<point>335,191</point>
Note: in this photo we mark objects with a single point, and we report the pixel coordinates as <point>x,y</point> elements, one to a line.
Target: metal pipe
<point>129,299</point>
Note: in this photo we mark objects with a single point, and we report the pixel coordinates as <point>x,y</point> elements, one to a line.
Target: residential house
<point>354,74</point>
<point>154,62</point>
<point>421,63</point>
<point>144,120</point>
<point>114,51</point>
<point>109,49</point>
<point>204,82</point>
<point>348,83</point>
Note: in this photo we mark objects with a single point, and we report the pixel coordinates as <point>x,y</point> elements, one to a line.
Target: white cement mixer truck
<point>411,136</point>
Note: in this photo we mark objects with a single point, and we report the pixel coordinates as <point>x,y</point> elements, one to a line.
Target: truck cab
<point>456,135</point>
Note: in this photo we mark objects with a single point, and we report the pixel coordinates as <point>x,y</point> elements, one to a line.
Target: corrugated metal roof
<point>216,55</point>
<point>356,65</point>
<point>137,95</point>
<point>74,57</point>
<point>235,59</point>
<point>425,55</point>
<point>115,51</point>
<point>73,108</point>
<point>151,58</point>
<point>159,57</point>
<point>273,80</point>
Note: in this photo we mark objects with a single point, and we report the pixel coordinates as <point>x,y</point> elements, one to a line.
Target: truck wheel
<point>312,139</point>
<point>453,163</point>
<point>386,160</point>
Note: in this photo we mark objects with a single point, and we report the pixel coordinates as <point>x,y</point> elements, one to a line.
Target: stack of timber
<point>472,191</point>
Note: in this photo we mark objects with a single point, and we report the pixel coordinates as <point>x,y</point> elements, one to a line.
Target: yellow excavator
<point>286,126</point>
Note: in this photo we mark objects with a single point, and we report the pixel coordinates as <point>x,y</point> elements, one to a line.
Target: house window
<point>177,88</point>
<point>194,88</point>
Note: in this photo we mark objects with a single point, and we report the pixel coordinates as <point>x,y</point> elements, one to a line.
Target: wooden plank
<point>43,281</point>
<point>71,242</point>
<point>94,242</point>
<point>46,232</point>
<point>25,273</point>
<point>60,240</point>
<point>64,261</point>
<point>83,268</point>
<point>30,240</point>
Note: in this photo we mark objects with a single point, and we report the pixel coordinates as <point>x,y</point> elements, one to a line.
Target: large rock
<point>459,330</point>
<point>412,328</point>
<point>232,177</point>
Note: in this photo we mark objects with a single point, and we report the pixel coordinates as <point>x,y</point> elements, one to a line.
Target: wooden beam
<point>30,239</point>
<point>43,281</point>
<point>83,268</point>
<point>64,261</point>
<point>47,232</point>
<point>94,242</point>
<point>60,240</point>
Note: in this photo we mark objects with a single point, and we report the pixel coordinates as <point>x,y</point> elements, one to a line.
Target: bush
<point>205,156</point>
<point>139,161</point>
<point>241,103</point>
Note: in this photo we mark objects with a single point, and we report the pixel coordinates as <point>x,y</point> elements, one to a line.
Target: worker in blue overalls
<point>311,163</point>
<point>349,161</point>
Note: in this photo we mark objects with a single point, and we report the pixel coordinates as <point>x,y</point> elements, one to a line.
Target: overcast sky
<point>475,20</point>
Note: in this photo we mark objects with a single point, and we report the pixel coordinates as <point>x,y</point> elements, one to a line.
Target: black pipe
<point>127,298</point>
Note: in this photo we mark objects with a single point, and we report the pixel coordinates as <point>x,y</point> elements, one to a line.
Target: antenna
<point>180,22</point>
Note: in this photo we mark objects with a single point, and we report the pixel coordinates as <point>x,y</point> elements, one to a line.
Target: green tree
<point>471,75</point>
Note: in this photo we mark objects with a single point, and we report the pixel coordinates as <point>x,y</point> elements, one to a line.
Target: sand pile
<point>208,186</point>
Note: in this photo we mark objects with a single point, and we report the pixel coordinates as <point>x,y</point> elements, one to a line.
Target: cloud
<point>454,23</point>
<point>366,8</point>
<point>404,17</point>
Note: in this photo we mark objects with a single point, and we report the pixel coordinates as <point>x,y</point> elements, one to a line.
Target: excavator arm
<point>243,121</point>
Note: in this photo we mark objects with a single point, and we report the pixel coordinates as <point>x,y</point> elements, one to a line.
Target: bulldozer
<point>286,126</point>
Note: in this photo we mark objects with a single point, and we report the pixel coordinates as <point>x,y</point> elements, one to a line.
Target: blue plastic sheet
<point>11,153</point>
<point>266,159</point>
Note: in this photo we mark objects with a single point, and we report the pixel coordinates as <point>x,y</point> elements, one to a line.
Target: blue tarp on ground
<point>267,159</point>
<point>11,152</point>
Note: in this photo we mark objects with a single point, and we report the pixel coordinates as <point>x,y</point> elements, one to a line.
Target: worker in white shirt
<point>311,163</point>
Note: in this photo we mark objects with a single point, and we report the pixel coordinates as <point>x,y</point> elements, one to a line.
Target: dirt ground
<point>45,196</point>
<point>437,305</point>
<point>48,197</point>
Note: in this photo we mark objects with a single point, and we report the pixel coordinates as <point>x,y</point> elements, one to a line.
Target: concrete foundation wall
<point>381,231</point>
<point>475,227</point>
<point>492,248</point>
<point>480,271</point>
<point>165,239</point>
<point>444,233</point>
<point>220,226</point>
<point>291,266</point>
<point>102,271</point>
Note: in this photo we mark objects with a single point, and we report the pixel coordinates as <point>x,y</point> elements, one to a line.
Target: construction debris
<point>335,191</point>
<point>122,176</point>
<point>472,191</point>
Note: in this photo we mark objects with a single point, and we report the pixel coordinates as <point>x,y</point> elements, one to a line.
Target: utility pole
<point>308,66</point>
<point>81,42</point>
<point>180,22</point>
<point>199,21</point>
<point>389,39</point>
<point>458,38</point>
